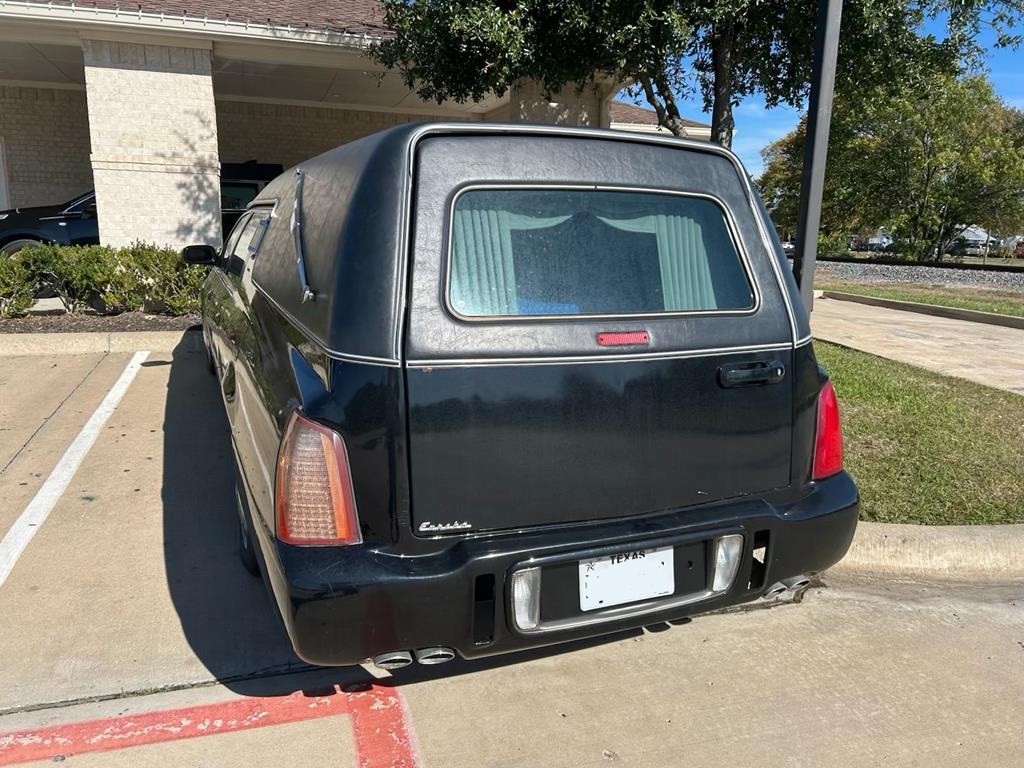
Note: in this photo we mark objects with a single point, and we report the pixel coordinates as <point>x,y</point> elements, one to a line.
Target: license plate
<point>626,577</point>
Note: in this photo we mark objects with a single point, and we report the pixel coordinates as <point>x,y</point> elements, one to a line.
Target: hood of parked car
<point>26,215</point>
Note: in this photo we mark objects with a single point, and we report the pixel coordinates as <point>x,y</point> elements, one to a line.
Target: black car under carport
<point>75,222</point>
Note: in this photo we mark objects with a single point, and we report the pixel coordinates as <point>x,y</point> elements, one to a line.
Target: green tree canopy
<point>724,49</point>
<point>922,161</point>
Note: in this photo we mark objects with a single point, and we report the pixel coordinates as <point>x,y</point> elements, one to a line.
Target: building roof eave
<point>182,25</point>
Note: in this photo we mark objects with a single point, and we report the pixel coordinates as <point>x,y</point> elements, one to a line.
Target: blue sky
<point>756,126</point>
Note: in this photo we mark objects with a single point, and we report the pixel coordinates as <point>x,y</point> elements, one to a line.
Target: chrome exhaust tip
<point>438,655</point>
<point>393,660</point>
<point>796,583</point>
<point>774,590</point>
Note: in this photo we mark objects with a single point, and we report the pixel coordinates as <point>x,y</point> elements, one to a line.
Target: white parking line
<point>43,502</point>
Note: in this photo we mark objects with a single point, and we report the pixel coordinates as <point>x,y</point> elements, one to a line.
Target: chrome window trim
<point>78,201</point>
<point>772,255</point>
<point>605,358</point>
<point>331,353</point>
<point>730,226</point>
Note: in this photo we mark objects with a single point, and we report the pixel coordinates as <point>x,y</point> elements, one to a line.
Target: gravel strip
<point>127,321</point>
<point>912,273</point>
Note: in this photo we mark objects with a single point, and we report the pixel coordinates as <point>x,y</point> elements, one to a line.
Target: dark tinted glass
<point>235,194</point>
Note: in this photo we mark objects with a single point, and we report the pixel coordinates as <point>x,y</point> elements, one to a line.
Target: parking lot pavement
<point>44,402</point>
<point>987,354</point>
<point>144,539</point>
<point>128,606</point>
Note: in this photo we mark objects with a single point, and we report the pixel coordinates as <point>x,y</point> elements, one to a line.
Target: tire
<point>11,248</point>
<point>246,545</point>
<point>211,366</point>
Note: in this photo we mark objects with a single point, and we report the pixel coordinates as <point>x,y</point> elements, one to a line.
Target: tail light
<point>313,493</point>
<point>828,440</point>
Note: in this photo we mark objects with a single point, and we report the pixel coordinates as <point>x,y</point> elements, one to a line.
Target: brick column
<point>589,107</point>
<point>153,130</point>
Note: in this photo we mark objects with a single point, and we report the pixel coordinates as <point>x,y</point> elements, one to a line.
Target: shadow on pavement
<point>227,615</point>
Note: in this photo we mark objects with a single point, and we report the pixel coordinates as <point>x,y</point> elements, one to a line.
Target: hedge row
<point>104,279</point>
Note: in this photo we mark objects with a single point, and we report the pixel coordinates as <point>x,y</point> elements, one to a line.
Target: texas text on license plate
<point>626,577</point>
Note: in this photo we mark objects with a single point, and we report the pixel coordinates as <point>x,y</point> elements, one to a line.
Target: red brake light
<point>623,338</point>
<point>313,493</point>
<point>828,441</point>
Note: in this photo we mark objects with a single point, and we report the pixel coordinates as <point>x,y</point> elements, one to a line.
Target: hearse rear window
<point>544,252</point>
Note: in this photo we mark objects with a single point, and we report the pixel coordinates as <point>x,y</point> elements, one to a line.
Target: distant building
<point>975,235</point>
<point>630,117</point>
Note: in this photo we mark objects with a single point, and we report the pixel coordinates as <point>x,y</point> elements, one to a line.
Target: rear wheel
<point>210,364</point>
<point>246,545</point>
<point>11,248</point>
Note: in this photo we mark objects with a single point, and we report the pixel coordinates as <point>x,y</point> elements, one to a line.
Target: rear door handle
<point>751,374</point>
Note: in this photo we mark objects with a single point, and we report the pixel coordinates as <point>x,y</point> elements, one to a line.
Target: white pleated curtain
<point>484,281</point>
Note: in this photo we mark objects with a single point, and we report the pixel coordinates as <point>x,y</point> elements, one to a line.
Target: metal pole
<point>819,118</point>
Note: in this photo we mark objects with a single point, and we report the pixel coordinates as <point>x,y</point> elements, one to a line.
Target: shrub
<point>17,290</point>
<point>833,244</point>
<point>112,280</point>
<point>79,275</point>
<point>155,280</point>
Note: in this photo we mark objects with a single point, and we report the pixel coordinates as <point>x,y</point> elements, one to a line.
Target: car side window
<point>229,244</point>
<point>85,205</point>
<point>249,238</point>
<point>261,219</point>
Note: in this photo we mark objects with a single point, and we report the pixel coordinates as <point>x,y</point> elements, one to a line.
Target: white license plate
<point>626,577</point>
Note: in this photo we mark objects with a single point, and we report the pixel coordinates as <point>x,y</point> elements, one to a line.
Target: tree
<point>842,209</point>
<point>741,47</point>
<point>724,49</point>
<point>467,49</point>
<point>923,161</point>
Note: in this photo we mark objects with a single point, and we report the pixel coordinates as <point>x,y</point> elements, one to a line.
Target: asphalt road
<point>130,636</point>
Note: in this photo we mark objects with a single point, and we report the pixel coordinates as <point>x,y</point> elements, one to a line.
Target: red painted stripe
<point>383,730</point>
<point>380,724</point>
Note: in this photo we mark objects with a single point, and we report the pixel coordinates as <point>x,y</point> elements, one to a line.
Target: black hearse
<point>492,387</point>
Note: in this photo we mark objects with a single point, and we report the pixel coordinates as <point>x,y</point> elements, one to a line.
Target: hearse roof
<point>356,202</point>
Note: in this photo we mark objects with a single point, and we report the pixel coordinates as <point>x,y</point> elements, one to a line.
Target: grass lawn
<point>1001,302</point>
<point>926,448</point>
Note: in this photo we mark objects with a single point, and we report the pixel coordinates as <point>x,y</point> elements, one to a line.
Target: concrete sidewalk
<point>986,354</point>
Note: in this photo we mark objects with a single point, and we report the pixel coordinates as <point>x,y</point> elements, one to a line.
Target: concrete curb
<point>97,343</point>
<point>954,313</point>
<point>953,552</point>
